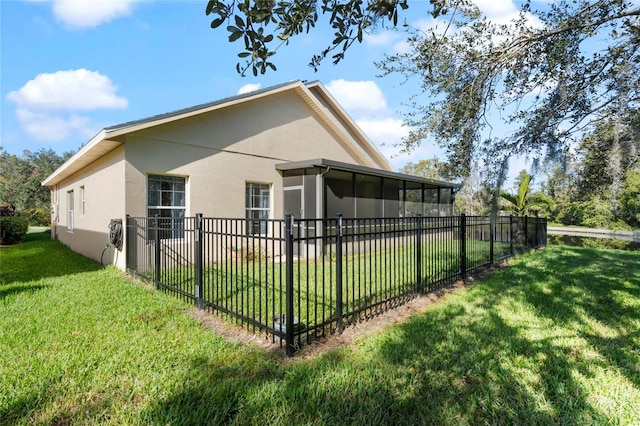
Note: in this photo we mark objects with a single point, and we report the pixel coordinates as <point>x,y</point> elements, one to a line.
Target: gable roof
<point>314,94</point>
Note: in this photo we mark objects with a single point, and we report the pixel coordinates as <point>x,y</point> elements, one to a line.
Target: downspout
<point>54,211</point>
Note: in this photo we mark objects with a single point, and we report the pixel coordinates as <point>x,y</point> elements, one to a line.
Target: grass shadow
<point>479,369</point>
<point>37,257</point>
<point>500,352</point>
<point>10,290</point>
<point>473,361</point>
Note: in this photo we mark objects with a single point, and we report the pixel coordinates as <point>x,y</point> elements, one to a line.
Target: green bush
<point>12,229</point>
<point>630,199</point>
<point>38,216</point>
<point>570,213</point>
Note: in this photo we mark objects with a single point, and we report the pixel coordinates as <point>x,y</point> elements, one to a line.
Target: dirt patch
<point>233,333</point>
<point>350,334</point>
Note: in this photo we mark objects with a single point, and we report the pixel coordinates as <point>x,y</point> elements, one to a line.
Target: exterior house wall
<point>218,148</point>
<point>103,187</point>
<point>220,151</point>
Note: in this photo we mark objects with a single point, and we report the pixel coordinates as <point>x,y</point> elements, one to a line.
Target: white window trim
<point>83,203</point>
<point>70,210</point>
<point>183,208</point>
<point>268,209</point>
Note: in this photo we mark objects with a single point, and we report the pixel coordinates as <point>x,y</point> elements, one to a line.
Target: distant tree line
<point>598,187</point>
<point>21,190</point>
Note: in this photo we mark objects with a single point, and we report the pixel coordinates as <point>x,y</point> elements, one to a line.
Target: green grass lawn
<point>554,339</point>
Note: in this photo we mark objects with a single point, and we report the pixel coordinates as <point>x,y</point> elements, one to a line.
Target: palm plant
<point>523,202</point>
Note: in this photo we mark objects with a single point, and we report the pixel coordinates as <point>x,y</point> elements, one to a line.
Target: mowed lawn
<point>553,339</point>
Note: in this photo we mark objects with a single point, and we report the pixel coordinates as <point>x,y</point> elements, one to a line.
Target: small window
<point>166,198</point>
<point>82,202</point>
<point>70,208</point>
<point>258,207</point>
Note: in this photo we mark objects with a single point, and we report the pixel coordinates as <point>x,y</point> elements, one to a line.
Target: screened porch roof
<point>337,165</point>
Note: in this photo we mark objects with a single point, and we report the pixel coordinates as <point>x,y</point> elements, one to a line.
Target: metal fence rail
<point>305,278</point>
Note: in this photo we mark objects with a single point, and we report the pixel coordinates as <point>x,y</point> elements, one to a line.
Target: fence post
<point>492,236</point>
<point>463,245</point>
<point>157,252</point>
<point>198,260</point>
<point>526,232</point>
<point>289,323</point>
<point>511,253</point>
<point>339,324</point>
<point>419,253</point>
<point>131,246</point>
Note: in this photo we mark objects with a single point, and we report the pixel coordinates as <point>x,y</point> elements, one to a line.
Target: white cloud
<point>47,127</point>
<point>496,9</point>
<point>71,90</point>
<point>387,131</point>
<point>383,39</point>
<point>358,97</point>
<point>504,12</point>
<point>387,135</point>
<point>392,42</point>
<point>47,105</point>
<point>365,102</point>
<point>247,88</point>
<point>82,14</point>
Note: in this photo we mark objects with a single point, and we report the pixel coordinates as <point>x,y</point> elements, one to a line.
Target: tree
<point>607,154</point>
<point>552,72</point>
<point>523,202</point>
<point>630,199</point>
<point>252,22</point>
<point>431,168</point>
<point>559,185</point>
<point>21,178</point>
<point>536,70</point>
<point>474,198</point>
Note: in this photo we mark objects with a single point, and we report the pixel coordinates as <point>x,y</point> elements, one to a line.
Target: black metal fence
<point>308,277</point>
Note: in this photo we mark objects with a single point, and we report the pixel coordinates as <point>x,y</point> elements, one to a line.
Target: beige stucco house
<point>290,148</point>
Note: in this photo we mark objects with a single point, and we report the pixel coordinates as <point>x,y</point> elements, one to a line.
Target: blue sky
<point>71,67</point>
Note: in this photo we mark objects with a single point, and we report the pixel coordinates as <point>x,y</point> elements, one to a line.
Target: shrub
<point>12,229</point>
<point>7,210</point>
<point>37,217</point>
<point>630,199</point>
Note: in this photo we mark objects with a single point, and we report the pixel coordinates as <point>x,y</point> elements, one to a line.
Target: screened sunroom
<point>322,188</point>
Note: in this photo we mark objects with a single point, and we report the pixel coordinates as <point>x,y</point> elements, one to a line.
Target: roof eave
<point>370,148</point>
<point>95,148</point>
<point>331,164</point>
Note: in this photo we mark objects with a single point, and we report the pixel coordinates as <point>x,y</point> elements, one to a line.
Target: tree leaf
<point>239,22</point>
<point>235,35</point>
<point>216,22</point>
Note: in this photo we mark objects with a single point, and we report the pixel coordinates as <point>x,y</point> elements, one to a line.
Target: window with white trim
<point>70,208</point>
<point>82,202</point>
<point>166,198</point>
<point>258,207</point>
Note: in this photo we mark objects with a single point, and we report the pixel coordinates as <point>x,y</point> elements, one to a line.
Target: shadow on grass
<point>467,361</point>
<point>595,290</point>
<point>26,409</point>
<point>478,369</point>
<point>464,363</point>
<point>10,290</point>
<point>37,257</point>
